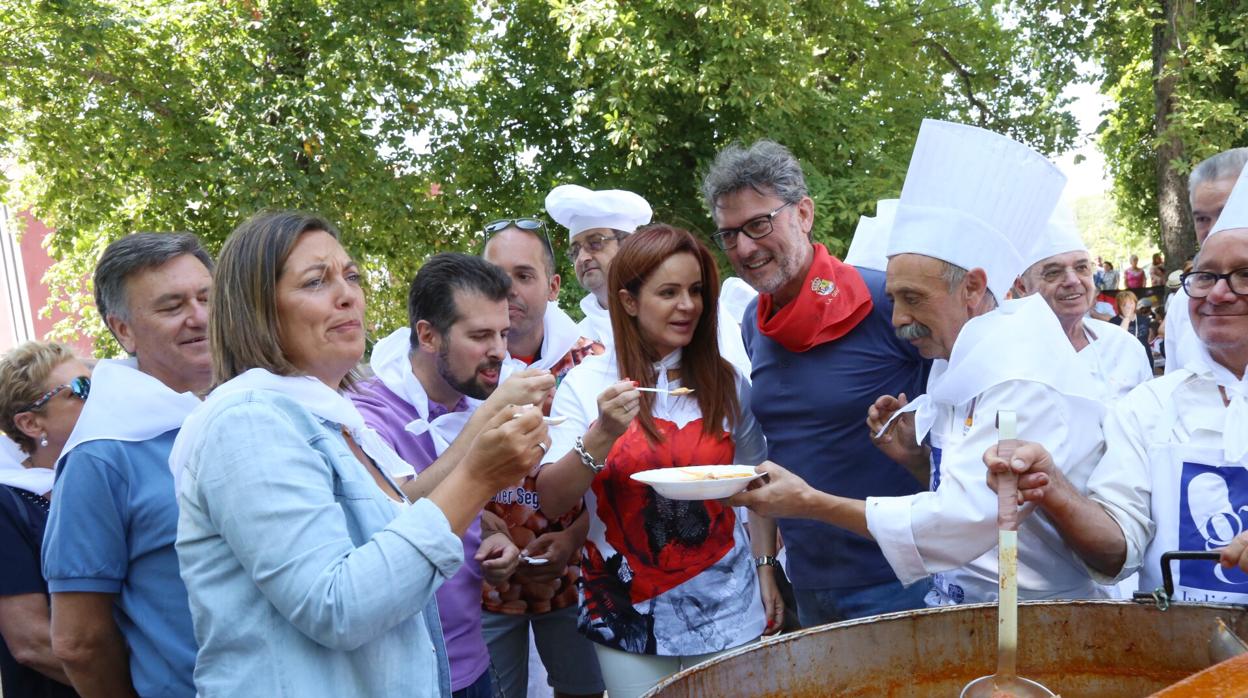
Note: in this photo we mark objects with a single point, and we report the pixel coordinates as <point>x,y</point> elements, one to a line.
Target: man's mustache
<point>915,330</point>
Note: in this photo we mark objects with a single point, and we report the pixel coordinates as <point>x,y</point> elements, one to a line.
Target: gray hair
<point>766,167</point>
<point>953,275</point>
<point>1225,165</point>
<point>135,253</point>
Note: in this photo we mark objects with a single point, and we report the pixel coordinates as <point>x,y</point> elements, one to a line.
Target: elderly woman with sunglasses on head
<point>665,584</point>
<point>309,572</point>
<point>42,390</point>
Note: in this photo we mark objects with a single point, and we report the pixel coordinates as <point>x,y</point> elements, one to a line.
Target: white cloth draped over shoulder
<point>1015,358</point>
<point>319,399</point>
<point>977,361</point>
<point>127,404</point>
<point>14,474</point>
<point>391,364</point>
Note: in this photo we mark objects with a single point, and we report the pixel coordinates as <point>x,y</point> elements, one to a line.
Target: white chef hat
<point>1061,235</point>
<point>578,209</point>
<point>974,198</point>
<point>869,248</point>
<point>1235,213</point>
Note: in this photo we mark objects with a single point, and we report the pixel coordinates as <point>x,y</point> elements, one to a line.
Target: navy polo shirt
<point>813,408</point>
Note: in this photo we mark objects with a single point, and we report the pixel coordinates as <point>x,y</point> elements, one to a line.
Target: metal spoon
<point>1006,683</point>
<point>675,391</point>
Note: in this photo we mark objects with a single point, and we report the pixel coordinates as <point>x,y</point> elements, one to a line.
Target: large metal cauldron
<point>1080,649</point>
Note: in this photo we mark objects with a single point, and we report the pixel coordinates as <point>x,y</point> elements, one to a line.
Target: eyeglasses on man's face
<point>593,243</point>
<point>79,387</point>
<point>529,225</point>
<point>755,229</point>
<point>1199,284</point>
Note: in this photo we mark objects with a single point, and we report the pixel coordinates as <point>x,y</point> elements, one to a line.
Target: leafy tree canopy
<point>413,122</point>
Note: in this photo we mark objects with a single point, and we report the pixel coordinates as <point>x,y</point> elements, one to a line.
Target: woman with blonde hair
<point>665,584</point>
<point>42,389</point>
<point>1138,324</point>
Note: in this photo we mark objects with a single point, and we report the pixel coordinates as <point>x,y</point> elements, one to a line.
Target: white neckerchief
<point>597,321</point>
<point>667,363</point>
<point>325,403</point>
<point>559,335</point>
<point>1235,426</point>
<point>391,363</point>
<point>14,474</point>
<point>126,404</point>
<point>1020,340</point>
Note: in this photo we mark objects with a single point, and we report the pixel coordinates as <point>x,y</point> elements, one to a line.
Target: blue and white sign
<point>1213,509</point>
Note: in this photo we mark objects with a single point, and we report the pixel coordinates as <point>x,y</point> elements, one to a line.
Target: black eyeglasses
<point>1199,284</point>
<point>593,243</point>
<point>80,387</point>
<point>529,225</point>
<point>755,229</point>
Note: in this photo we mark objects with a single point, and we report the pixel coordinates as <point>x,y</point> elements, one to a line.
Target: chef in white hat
<point>869,247</point>
<point>1209,186</point>
<point>597,221</point>
<point>971,200</point>
<point>1060,271</point>
<point>1174,475</point>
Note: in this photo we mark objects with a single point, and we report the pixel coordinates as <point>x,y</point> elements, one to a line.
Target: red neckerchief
<point>832,301</point>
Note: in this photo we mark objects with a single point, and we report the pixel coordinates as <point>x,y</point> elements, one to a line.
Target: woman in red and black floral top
<point>665,584</point>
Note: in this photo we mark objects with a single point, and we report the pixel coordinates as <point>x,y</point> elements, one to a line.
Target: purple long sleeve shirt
<point>459,599</point>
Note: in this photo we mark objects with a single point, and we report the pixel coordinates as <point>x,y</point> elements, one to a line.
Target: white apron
<point>1205,511</point>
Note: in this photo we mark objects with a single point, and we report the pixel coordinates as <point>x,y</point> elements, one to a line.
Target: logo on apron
<point>1212,506</point>
<point>935,467</point>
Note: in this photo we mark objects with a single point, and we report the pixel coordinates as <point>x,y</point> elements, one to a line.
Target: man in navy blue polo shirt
<point>822,346</point>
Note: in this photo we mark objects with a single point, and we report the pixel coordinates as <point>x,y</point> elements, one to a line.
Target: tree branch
<point>966,76</point>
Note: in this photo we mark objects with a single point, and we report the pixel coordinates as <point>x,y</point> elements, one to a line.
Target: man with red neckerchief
<point>822,346</point>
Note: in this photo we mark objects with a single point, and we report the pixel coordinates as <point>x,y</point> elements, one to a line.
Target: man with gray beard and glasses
<point>822,350</point>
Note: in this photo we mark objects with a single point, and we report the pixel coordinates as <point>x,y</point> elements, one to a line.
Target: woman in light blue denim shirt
<point>308,572</point>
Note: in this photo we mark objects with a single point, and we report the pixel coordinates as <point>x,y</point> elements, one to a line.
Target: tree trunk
<point>1178,237</point>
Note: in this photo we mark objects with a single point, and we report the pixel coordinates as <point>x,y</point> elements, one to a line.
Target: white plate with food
<point>699,481</point>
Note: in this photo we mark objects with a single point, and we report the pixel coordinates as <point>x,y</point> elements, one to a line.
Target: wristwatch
<point>588,460</point>
<point>766,560</point>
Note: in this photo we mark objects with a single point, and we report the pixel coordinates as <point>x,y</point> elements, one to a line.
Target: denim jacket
<point>304,579</point>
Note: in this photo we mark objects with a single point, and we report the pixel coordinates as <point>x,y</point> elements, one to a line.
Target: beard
<point>471,386</point>
<point>915,330</point>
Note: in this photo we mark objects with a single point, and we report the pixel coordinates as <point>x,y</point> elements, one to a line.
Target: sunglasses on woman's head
<point>80,387</point>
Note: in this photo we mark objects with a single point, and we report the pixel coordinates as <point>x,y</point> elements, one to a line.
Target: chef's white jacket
<point>1014,358</point>
<point>1170,483</point>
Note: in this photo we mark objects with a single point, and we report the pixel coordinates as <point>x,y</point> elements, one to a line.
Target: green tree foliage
<point>641,96</point>
<point>413,122</point>
<point>156,115</point>
<point>1210,110</point>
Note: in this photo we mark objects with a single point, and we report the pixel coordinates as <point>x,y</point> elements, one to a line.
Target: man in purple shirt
<point>429,401</point>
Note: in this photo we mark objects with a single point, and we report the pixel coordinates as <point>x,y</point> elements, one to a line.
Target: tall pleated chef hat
<point>579,209</point>
<point>1235,212</point>
<point>1061,235</point>
<point>974,198</point>
<point>869,248</point>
